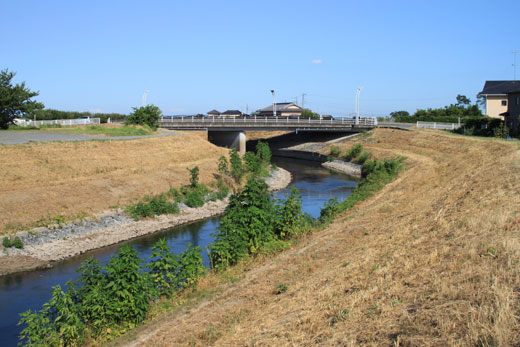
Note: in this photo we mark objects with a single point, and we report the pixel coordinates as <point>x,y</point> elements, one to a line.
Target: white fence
<point>62,122</point>
<point>438,125</point>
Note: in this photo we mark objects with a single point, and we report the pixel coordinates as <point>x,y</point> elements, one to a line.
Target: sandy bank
<point>47,246</point>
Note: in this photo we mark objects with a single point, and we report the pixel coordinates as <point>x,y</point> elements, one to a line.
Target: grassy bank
<point>431,259</point>
<point>47,182</point>
<point>105,129</point>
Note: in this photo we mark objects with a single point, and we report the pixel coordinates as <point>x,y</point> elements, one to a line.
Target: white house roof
<point>282,106</point>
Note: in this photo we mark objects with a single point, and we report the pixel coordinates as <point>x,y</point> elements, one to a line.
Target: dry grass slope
<point>431,260</point>
<point>70,178</point>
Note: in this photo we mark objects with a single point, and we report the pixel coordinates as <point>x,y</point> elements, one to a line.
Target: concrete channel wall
<point>336,165</point>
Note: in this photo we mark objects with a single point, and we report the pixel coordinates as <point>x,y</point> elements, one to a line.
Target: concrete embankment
<point>341,166</point>
<point>345,167</point>
<point>44,247</point>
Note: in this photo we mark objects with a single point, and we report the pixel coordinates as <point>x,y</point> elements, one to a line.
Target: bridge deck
<point>250,123</point>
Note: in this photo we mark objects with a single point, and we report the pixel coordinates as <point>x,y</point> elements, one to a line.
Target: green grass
<point>101,130</point>
<point>91,130</point>
<point>18,128</point>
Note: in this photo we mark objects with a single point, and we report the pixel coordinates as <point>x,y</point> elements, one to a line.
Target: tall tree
<point>463,101</point>
<point>15,100</point>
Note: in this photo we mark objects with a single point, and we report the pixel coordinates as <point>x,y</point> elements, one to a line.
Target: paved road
<point>20,137</point>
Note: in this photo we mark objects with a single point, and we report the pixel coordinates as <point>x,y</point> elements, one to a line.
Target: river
<point>29,290</point>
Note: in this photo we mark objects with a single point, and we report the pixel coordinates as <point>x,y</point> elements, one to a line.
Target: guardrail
<point>63,122</point>
<point>438,125</point>
<point>264,121</point>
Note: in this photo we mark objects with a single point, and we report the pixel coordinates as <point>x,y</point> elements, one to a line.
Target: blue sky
<point>194,56</point>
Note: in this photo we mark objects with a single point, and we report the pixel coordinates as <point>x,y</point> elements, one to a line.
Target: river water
<point>30,290</point>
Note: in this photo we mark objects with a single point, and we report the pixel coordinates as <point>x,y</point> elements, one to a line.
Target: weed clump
<point>111,299</point>
<point>8,243</point>
<point>17,243</point>
<point>335,151</point>
<point>354,152</point>
<point>153,206</point>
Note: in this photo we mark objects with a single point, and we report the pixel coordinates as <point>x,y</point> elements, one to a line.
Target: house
<point>511,116</point>
<point>231,113</point>
<point>495,93</point>
<point>213,113</point>
<point>283,109</point>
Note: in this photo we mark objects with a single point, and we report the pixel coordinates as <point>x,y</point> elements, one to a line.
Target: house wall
<point>289,113</point>
<point>494,105</point>
<point>514,113</point>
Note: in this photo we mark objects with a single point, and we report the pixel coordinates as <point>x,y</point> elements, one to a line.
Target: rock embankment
<point>42,247</point>
<point>344,167</point>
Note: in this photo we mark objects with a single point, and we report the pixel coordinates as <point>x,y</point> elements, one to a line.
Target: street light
<point>144,96</point>
<point>274,102</point>
<point>357,104</point>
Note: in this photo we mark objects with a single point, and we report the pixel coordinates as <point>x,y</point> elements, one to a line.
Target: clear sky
<point>194,56</point>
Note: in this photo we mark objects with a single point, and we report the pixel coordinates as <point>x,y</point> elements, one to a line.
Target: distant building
<point>231,113</point>
<point>283,109</point>
<point>511,116</point>
<point>496,93</point>
<point>213,113</point>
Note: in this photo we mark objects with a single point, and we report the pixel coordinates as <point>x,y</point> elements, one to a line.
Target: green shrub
<point>353,152</point>
<point>175,195</point>
<point>263,152</point>
<point>57,324</point>
<point>150,207</point>
<point>289,216</point>
<point>6,242</point>
<point>329,211</point>
<point>194,199</point>
<point>280,289</point>
<point>92,295</point>
<point>223,166</point>
<point>145,115</point>
<point>127,287</point>
<point>17,243</point>
<point>335,151</point>
<point>163,266</point>
<point>237,169</point>
<point>247,224</point>
<point>194,176</point>
<point>191,268</point>
<point>501,131</point>
<point>252,162</point>
<point>363,157</point>
<point>222,190</point>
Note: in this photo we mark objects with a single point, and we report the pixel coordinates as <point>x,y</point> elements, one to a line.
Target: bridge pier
<point>236,139</point>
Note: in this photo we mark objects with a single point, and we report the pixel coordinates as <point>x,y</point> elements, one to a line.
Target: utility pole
<point>303,99</point>
<point>144,96</point>
<point>274,102</point>
<point>357,104</point>
<point>296,100</point>
<point>514,65</point>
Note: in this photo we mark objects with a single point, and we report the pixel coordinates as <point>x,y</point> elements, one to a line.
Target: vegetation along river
<point>30,290</point>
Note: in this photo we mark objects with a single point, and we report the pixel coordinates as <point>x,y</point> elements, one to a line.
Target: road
<point>21,137</point>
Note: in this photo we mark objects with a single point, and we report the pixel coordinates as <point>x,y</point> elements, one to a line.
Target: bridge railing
<point>273,121</point>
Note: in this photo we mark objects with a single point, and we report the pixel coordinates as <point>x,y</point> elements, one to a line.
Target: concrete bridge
<point>230,132</point>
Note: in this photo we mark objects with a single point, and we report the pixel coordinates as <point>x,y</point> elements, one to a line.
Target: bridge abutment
<point>230,139</point>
